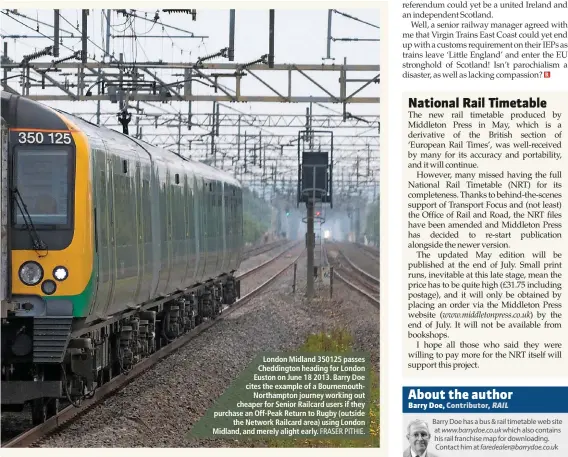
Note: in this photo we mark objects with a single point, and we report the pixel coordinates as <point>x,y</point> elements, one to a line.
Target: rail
<point>70,413</point>
<point>365,287</point>
<point>376,302</point>
<point>371,250</point>
<point>366,275</point>
<point>269,261</point>
<point>257,250</point>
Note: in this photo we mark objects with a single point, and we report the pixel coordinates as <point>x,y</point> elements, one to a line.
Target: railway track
<point>371,251</point>
<point>257,250</point>
<point>352,275</point>
<point>70,413</point>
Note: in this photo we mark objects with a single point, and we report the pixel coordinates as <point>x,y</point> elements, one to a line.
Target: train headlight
<point>30,273</point>
<point>48,287</point>
<point>60,273</point>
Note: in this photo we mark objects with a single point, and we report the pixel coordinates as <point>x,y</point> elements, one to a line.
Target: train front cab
<point>51,249</point>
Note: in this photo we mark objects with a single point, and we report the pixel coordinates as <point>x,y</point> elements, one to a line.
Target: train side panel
<point>225,227</point>
<point>161,221</point>
<point>199,227</point>
<point>216,226</point>
<point>145,218</point>
<point>191,227</point>
<point>126,230</point>
<point>161,225</point>
<point>179,235</point>
<point>232,230</point>
<point>101,217</point>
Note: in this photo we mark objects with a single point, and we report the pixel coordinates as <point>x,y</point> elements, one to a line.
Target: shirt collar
<point>414,454</point>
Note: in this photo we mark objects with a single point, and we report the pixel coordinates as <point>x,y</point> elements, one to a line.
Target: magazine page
<point>482,112</point>
<point>309,227</point>
<point>191,208</point>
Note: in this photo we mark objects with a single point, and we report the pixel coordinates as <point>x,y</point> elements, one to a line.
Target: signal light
<point>317,213</point>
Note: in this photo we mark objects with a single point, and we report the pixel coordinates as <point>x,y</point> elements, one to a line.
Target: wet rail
<point>70,413</point>
<point>348,272</point>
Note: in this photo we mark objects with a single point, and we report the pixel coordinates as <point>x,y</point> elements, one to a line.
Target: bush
<point>257,216</point>
<point>338,340</point>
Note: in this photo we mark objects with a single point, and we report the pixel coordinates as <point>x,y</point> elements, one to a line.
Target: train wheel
<point>52,407</point>
<point>106,374</point>
<point>43,409</point>
<point>39,411</point>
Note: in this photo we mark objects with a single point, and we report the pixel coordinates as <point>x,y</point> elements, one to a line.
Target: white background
<point>393,217</point>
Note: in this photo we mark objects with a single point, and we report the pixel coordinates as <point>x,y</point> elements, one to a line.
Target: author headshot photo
<point>418,437</point>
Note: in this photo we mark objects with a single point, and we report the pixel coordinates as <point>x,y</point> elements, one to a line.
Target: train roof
<point>158,153</point>
<point>24,113</point>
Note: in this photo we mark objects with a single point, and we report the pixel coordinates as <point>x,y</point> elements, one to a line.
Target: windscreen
<point>42,179</point>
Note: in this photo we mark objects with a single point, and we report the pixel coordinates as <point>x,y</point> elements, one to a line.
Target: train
<point>115,248</point>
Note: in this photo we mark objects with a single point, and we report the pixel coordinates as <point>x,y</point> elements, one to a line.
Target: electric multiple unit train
<point>115,248</point>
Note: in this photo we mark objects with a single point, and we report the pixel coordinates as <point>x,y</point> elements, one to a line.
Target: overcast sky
<point>300,38</point>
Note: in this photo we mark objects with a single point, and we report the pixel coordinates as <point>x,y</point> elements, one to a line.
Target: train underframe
<point>98,355</point>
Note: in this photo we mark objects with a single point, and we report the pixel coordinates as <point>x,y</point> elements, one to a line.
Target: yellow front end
<point>73,264</point>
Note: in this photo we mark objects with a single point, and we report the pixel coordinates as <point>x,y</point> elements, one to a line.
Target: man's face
<point>418,438</point>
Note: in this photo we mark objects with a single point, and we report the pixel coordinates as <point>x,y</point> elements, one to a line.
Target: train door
<point>170,216</point>
<point>212,229</point>
<point>239,223</point>
<point>179,232</point>
<point>207,211</point>
<point>156,216</point>
<point>139,239</point>
<point>199,246</point>
<point>101,217</point>
<point>217,244</point>
<point>190,229</point>
<point>226,228</point>
<point>106,237</point>
<point>165,226</point>
<point>145,239</point>
<point>126,232</point>
<point>216,221</point>
<point>229,225</point>
<point>112,230</point>
<point>224,207</point>
<point>233,225</point>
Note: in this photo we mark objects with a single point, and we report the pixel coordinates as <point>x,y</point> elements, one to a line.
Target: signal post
<point>315,174</point>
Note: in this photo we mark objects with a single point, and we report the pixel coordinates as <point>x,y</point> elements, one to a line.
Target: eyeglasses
<point>421,435</point>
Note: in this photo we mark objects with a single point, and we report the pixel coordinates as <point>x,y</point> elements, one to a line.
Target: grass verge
<point>338,340</point>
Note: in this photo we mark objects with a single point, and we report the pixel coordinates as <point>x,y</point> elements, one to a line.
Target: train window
<point>146,204</point>
<point>44,180</point>
<point>177,178</point>
<point>125,232</point>
<point>125,166</point>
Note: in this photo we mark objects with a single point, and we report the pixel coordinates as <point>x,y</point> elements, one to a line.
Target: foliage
<point>257,216</point>
<point>373,223</point>
<point>338,340</point>
<point>253,229</point>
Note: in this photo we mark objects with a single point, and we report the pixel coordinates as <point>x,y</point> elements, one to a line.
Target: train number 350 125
<point>43,138</point>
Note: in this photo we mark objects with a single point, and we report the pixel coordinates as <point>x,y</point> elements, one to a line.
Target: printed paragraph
<point>497,434</point>
<point>478,40</point>
<point>485,244</point>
